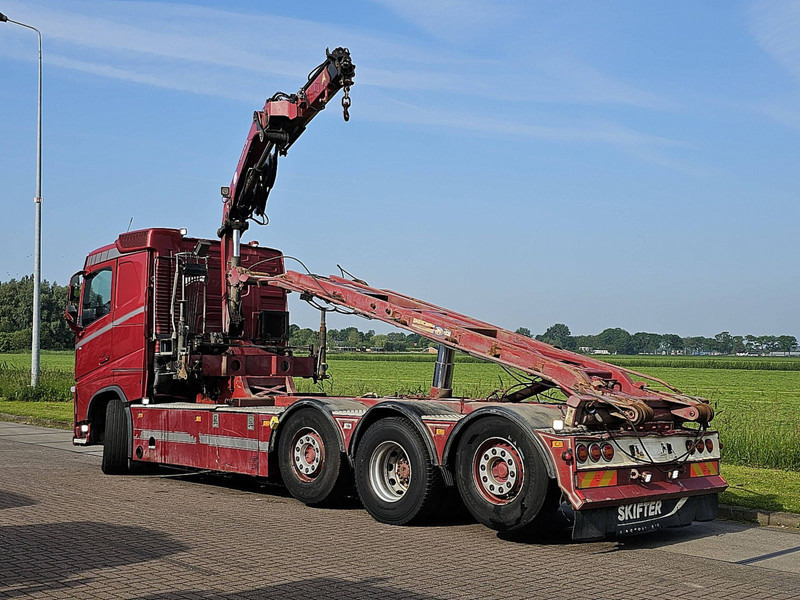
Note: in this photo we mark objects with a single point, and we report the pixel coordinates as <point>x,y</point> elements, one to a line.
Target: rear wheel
<point>395,477</point>
<point>115,440</point>
<point>502,477</point>
<point>311,463</point>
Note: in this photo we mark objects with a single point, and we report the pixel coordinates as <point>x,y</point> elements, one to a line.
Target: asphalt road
<point>66,530</point>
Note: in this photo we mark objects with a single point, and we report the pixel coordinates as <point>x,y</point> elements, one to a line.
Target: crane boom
<point>273,131</point>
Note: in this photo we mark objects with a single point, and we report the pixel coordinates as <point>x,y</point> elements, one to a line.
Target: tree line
<point>612,340</point>
<point>16,316</point>
<point>618,341</point>
<point>350,338</point>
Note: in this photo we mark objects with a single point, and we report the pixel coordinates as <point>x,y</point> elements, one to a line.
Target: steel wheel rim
<point>389,471</point>
<point>308,454</point>
<point>497,471</point>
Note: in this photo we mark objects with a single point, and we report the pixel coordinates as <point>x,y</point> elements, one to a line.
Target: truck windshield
<point>96,296</point>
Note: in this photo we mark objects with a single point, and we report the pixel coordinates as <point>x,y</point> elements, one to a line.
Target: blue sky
<point>599,164</point>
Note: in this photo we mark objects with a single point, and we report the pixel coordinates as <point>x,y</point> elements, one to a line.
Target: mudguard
<point>529,417</point>
<point>642,517</point>
<point>413,410</point>
<point>326,406</point>
<point>103,391</point>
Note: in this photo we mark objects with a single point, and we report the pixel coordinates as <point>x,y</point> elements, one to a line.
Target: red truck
<point>183,358</point>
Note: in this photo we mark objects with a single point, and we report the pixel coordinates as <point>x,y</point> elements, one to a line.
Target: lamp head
<point>3,18</point>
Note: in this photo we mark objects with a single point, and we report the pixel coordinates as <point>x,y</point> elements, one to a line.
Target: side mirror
<point>73,301</point>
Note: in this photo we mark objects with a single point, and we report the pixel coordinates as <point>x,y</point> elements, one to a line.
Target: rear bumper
<point>643,516</point>
<point>614,496</point>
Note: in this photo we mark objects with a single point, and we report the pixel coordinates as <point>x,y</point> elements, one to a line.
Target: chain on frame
<point>346,102</point>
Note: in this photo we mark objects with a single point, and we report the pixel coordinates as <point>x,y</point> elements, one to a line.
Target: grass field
<point>758,409</point>
<point>767,489</point>
<point>50,359</point>
<point>53,413</point>
<point>55,377</point>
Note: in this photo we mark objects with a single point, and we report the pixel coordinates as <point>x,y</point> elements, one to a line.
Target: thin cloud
<point>166,81</point>
<point>775,24</point>
<point>121,39</point>
<point>450,20</point>
<point>643,146</point>
<point>784,112</point>
<point>587,82</point>
<point>227,54</point>
<point>776,27</point>
<point>396,111</point>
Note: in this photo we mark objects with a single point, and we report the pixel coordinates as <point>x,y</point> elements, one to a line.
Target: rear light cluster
<point>700,446</point>
<point>594,452</point>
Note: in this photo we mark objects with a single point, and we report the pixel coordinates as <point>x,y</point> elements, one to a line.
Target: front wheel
<point>502,478</point>
<point>395,477</point>
<point>116,442</point>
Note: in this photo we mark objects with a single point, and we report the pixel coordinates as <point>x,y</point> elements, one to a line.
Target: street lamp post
<point>37,243</point>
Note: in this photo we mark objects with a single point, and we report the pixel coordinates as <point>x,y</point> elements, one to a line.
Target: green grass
<point>748,363</point>
<point>53,385</point>
<point>768,489</point>
<point>393,377</point>
<point>758,412</point>
<point>59,413</point>
<point>61,360</point>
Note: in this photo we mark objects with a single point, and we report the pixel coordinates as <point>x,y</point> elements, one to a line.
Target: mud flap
<point>642,517</point>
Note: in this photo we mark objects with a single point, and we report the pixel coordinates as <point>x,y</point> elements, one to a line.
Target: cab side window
<point>96,296</point>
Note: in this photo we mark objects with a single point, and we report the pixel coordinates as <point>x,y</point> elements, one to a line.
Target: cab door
<point>128,352</point>
<point>94,345</point>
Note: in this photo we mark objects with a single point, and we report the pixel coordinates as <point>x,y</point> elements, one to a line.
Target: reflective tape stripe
<point>102,256</point>
<point>227,441</point>
<point>108,327</point>
<point>179,437</point>
<point>704,469</point>
<point>217,441</point>
<point>443,417</point>
<point>587,479</point>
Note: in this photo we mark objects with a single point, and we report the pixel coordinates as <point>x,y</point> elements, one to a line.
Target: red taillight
<point>608,451</point>
<point>690,446</point>
<point>582,453</point>
<point>594,452</point>
<point>709,445</point>
<point>700,446</point>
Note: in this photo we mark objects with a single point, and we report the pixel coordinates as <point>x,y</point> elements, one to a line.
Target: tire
<point>115,440</point>
<point>312,466</point>
<point>502,478</point>
<point>393,447</point>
